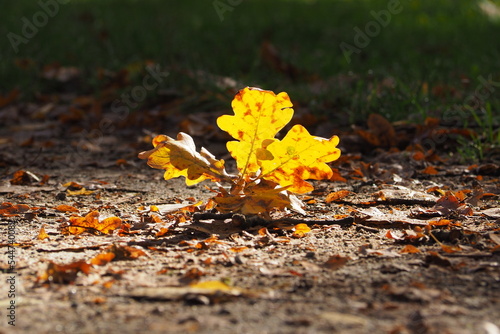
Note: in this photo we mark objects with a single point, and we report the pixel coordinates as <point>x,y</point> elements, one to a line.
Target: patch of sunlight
<point>491,9</point>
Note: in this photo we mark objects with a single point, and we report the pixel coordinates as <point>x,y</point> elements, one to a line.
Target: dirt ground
<point>391,254</point>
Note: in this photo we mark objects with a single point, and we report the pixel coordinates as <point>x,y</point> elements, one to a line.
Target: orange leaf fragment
<point>337,196</point>
<point>80,192</point>
<point>450,249</point>
<point>162,232</point>
<point>8,209</point>
<point>394,235</point>
<point>66,208</point>
<point>102,259</point>
<point>441,222</point>
<point>300,230</point>
<point>336,176</point>
<point>263,231</point>
<point>430,170</point>
<point>238,249</point>
<point>72,185</point>
<point>409,249</point>
<point>64,274</point>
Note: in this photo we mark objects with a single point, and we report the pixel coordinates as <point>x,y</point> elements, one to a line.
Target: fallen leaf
<point>23,178</point>
<point>335,262</point>
<point>162,232</point>
<point>270,170</point>
<point>336,176</point>
<point>300,230</point>
<point>8,209</point>
<point>430,170</point>
<point>238,249</point>
<point>91,223</point>
<point>80,192</point>
<point>42,235</point>
<point>102,259</point>
<point>337,196</point>
<point>64,274</point>
<point>381,132</point>
<point>66,208</point>
<point>409,249</point>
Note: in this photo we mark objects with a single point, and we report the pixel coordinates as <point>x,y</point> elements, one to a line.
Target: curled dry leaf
<point>409,249</point>
<point>91,223</point>
<point>42,235</point>
<point>300,230</point>
<point>179,158</point>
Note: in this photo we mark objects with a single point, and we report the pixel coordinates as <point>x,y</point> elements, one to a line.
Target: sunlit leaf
<point>91,223</point>
<point>258,116</point>
<point>102,259</point>
<point>300,230</point>
<point>180,158</point>
<point>79,192</point>
<point>337,196</point>
<point>450,249</point>
<point>270,169</point>
<point>42,235</point>
<point>66,208</point>
<point>299,157</point>
<point>21,177</point>
<point>211,285</point>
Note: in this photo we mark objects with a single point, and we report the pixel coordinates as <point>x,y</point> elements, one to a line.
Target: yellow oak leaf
<point>258,115</point>
<point>180,158</point>
<point>299,157</point>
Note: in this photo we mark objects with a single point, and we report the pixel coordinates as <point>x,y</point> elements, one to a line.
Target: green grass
<point>434,43</point>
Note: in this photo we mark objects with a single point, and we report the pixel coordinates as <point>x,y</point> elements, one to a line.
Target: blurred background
<point>339,60</point>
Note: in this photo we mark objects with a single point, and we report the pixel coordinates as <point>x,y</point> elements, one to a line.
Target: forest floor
<point>401,242</point>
